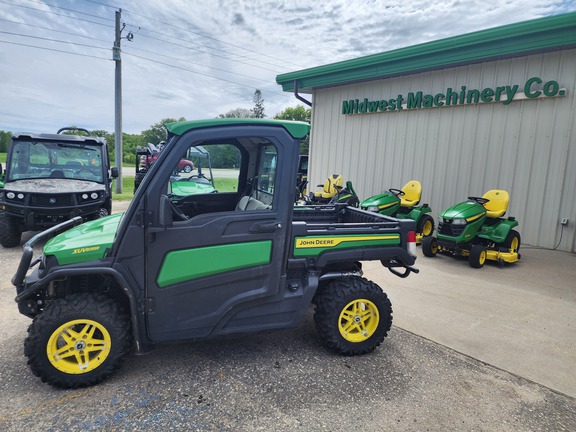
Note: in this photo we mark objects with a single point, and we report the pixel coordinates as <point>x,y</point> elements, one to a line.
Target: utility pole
<point>118,100</point>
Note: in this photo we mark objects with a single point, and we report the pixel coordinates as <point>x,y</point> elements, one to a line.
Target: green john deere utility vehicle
<point>477,229</point>
<point>403,204</point>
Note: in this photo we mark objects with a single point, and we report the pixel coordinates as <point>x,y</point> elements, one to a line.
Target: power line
<point>53,40</point>
<point>55,13</point>
<point>52,49</point>
<point>203,74</point>
<point>104,41</point>
<point>69,10</point>
<point>54,30</point>
<point>188,61</point>
<point>211,48</point>
<point>214,55</point>
<point>128,53</point>
<point>152,31</point>
<point>171,25</point>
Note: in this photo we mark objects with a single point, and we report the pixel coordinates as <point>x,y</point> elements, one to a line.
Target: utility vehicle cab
<point>51,178</point>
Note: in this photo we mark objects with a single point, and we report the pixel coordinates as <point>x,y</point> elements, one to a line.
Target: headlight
<point>20,196</point>
<point>84,196</point>
<point>94,195</point>
<point>373,209</point>
<point>10,195</point>
<point>459,222</point>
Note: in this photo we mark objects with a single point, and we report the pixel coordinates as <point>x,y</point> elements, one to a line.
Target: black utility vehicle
<point>181,267</point>
<point>51,178</point>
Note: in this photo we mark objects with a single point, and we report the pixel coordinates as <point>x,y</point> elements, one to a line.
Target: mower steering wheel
<point>479,200</point>
<point>397,192</point>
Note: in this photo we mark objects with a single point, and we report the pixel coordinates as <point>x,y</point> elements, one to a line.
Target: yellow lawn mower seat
<point>412,193</point>
<point>498,204</point>
<point>330,187</point>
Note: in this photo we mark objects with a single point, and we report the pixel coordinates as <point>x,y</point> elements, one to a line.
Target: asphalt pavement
<point>489,349</point>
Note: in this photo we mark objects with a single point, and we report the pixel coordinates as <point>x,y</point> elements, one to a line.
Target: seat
<point>498,204</point>
<point>247,203</point>
<point>412,193</point>
<point>331,186</point>
<point>57,174</point>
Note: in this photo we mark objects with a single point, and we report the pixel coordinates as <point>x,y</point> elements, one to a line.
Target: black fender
<point>143,345</point>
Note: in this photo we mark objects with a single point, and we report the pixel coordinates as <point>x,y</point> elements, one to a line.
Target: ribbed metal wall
<point>527,147</point>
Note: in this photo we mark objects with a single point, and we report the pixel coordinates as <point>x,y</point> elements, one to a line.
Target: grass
<point>222,185</point>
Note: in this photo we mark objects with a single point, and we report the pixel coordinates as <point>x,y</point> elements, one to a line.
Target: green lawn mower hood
<point>467,210</point>
<point>385,203</point>
<point>86,242</point>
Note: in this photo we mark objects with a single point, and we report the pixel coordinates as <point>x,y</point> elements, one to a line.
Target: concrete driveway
<point>520,317</point>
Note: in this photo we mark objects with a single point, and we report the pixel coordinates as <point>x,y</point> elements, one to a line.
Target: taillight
<point>412,243</point>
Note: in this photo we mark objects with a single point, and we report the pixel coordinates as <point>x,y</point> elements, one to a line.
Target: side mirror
<point>114,172</point>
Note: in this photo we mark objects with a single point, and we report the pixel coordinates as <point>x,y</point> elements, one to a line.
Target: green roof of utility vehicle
<point>294,128</point>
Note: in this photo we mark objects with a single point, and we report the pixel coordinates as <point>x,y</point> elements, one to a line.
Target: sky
<point>198,59</point>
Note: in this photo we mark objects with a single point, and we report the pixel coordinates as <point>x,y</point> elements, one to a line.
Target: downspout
<point>307,102</point>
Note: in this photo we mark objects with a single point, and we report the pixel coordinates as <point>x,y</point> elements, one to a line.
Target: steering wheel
<point>397,192</point>
<point>178,211</point>
<point>197,176</point>
<point>479,200</point>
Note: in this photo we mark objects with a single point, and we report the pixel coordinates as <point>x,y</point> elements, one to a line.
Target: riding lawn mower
<point>477,229</point>
<point>403,204</point>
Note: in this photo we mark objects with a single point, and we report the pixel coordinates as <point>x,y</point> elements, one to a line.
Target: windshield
<point>36,160</point>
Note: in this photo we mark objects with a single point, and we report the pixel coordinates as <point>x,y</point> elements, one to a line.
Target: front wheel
<point>477,256</point>
<point>353,315</point>
<point>429,246</point>
<point>78,341</point>
<point>10,231</point>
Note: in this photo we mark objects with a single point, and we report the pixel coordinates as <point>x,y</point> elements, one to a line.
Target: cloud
<point>198,59</point>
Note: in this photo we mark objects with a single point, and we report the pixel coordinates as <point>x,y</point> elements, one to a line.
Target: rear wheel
<point>477,256</point>
<point>429,246</point>
<point>78,341</point>
<point>425,225</point>
<point>512,242</point>
<point>10,231</point>
<point>353,315</point>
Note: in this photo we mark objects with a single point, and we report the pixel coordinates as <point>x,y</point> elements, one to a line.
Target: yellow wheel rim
<point>358,320</point>
<point>482,257</point>
<point>78,346</point>
<point>427,228</point>
<point>514,244</point>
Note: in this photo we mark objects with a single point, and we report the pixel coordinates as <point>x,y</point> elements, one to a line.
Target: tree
<point>157,132</point>
<point>237,113</point>
<point>299,113</point>
<point>4,141</point>
<point>258,110</point>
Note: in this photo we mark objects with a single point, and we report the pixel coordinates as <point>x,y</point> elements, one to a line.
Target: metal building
<point>494,109</point>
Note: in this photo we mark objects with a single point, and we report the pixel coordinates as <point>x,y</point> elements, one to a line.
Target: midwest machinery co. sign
<point>534,88</point>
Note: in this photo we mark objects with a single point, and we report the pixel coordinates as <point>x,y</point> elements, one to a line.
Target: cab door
<point>219,272</point>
